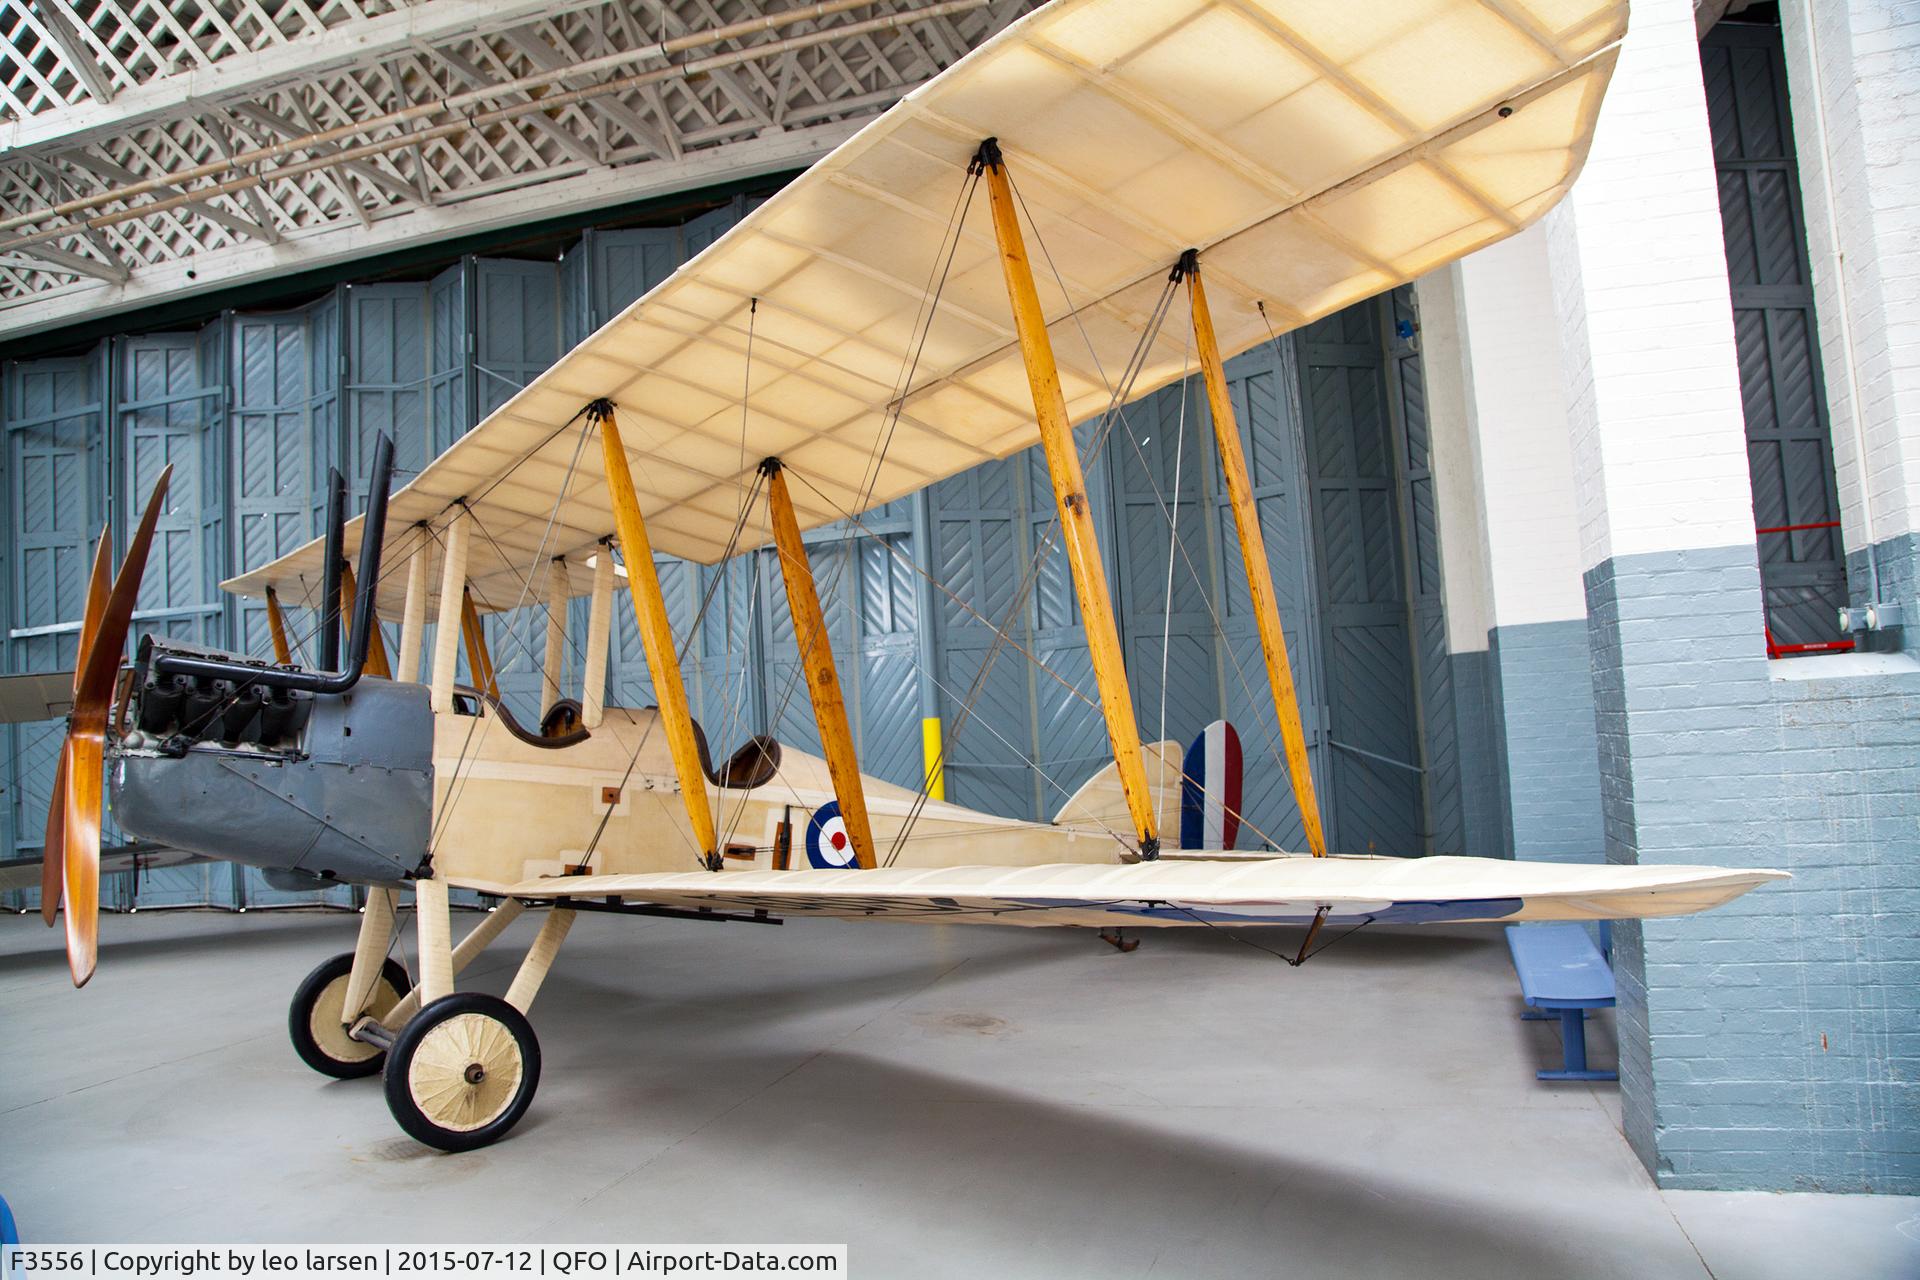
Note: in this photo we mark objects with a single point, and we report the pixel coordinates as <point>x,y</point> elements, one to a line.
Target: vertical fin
<point>1210,794</point>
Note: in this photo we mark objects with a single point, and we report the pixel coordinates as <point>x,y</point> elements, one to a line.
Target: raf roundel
<point>828,845</point>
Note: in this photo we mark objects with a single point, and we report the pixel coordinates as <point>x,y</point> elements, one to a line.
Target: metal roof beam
<point>53,17</point>
<point>361,42</point>
<point>599,188</point>
<point>72,264</point>
<point>104,167</point>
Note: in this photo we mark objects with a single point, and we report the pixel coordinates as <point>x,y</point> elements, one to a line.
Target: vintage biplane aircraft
<point>1263,162</point>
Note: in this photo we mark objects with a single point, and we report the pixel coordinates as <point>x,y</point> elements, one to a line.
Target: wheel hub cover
<point>465,1072</point>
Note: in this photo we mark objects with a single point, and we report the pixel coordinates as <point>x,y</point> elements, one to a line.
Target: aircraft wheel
<point>315,1019</point>
<point>463,1071</point>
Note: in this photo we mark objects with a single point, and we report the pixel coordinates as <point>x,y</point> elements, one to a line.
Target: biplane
<point>867,331</point>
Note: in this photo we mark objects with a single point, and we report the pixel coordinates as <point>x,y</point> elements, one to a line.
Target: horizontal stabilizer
<point>1101,806</point>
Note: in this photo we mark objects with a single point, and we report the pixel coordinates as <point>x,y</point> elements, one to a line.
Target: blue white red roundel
<point>828,844</point>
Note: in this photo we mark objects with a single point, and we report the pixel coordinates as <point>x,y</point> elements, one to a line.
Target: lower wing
<point>24,873</point>
<point>1289,889</point>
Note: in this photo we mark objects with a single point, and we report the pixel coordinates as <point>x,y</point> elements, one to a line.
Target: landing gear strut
<point>461,1067</point>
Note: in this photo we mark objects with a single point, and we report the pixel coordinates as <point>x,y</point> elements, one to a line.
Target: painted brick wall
<point>1513,546</point>
<point>1548,740</point>
<point>1480,773</point>
<point>1772,1044</point>
<point>1769,1044</point>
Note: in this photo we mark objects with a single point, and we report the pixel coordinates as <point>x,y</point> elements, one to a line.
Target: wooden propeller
<point>52,875</point>
<point>73,819</point>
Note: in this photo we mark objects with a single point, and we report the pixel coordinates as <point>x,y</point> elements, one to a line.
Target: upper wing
<point>1316,152</point>
<point>1289,889</point>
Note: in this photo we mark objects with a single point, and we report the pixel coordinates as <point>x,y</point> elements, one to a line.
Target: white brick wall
<point>1520,443</point>
<point>1456,479</point>
<point>1640,287</point>
<point>1856,124</point>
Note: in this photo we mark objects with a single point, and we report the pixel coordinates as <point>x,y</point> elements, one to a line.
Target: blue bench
<point>1561,972</point>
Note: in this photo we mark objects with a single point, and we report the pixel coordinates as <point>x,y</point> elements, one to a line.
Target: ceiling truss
<point>175,96</point>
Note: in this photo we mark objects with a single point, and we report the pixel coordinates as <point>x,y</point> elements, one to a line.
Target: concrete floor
<point>949,1100</point>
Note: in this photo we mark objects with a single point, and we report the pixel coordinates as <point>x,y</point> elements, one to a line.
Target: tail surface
<point>1101,806</point>
<point>1210,789</point>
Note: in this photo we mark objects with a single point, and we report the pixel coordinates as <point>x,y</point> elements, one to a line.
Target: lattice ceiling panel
<point>99,94</point>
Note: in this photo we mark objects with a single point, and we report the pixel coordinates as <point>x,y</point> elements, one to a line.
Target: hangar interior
<point>254,406</point>
<point>1559,539</point>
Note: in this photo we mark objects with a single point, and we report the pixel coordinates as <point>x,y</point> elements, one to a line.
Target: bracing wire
<point>1173,541</point>
<point>1003,631</point>
<point>1159,498</point>
<point>938,274</point>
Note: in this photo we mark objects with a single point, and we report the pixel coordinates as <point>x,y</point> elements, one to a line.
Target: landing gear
<point>461,1067</point>
<point>316,1021</point>
<point>463,1071</point>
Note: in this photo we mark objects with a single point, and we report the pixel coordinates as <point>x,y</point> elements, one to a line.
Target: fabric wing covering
<point>1315,152</point>
<point>1281,890</point>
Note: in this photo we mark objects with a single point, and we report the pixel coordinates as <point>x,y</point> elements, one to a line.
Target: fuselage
<point>376,788</point>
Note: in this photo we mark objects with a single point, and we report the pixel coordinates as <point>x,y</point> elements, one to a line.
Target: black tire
<point>483,1048</point>
<point>328,1052</point>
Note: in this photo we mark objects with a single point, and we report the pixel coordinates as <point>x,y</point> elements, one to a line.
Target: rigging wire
<point>1293,961</point>
<point>735,711</point>
<point>733,541</point>
<point>457,788</point>
<point>1003,632</point>
<point>1219,625</point>
<point>931,292</point>
<point>1267,732</point>
<point>1115,411</point>
<point>1173,540</point>
<point>938,274</point>
<point>540,548</point>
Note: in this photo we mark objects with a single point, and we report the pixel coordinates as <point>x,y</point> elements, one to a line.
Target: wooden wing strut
<point>816,661</point>
<point>1070,495</point>
<point>277,627</point>
<point>656,634</point>
<point>1253,550</point>
<point>479,658</point>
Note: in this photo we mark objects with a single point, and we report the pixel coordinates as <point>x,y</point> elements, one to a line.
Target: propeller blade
<point>93,679</point>
<point>82,864</point>
<point>53,851</point>
<point>87,740</point>
<point>99,586</point>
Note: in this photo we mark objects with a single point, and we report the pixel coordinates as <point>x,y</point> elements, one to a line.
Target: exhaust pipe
<point>330,680</point>
<point>335,552</point>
